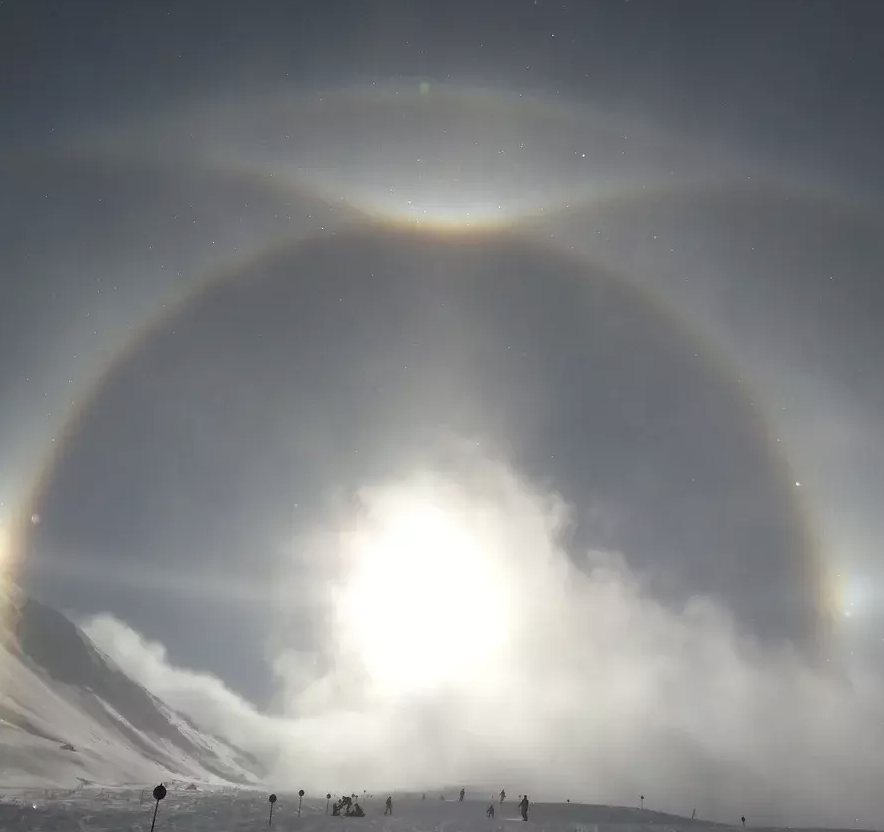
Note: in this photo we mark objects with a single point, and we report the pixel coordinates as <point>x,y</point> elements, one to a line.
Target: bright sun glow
<point>423,605</point>
<point>852,595</point>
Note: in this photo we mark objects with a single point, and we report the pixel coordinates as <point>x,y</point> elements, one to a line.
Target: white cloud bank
<point>463,645</point>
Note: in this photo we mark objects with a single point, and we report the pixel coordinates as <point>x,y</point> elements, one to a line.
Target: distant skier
<point>462,793</point>
<point>489,812</point>
<point>502,796</point>
<point>388,806</point>
<point>523,807</point>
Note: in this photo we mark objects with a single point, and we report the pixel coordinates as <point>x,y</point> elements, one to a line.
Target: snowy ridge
<point>69,714</point>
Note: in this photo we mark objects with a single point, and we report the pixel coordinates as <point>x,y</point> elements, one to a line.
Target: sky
<point>499,379</point>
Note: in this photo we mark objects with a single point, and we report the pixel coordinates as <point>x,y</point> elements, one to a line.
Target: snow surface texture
<point>69,716</point>
<point>228,809</point>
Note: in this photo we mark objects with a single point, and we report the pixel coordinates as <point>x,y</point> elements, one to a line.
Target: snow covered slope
<point>68,713</point>
<point>91,810</point>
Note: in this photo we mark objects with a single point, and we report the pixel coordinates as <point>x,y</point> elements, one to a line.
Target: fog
<point>462,642</point>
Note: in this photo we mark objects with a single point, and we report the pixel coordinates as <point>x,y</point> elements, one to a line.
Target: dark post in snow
<point>300,798</point>
<point>694,814</point>
<point>271,800</point>
<point>744,822</point>
<point>643,801</point>
<point>327,801</point>
<point>159,793</point>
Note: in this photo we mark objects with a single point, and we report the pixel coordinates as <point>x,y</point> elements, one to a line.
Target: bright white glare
<point>852,596</point>
<point>424,604</point>
<point>492,654</point>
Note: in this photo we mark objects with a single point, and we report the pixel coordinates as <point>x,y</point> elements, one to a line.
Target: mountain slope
<point>67,711</point>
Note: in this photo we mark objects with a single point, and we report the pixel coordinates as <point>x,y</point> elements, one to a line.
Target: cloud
<point>203,697</point>
<point>460,642</point>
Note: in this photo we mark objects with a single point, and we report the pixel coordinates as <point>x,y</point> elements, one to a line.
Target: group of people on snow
<point>349,807</point>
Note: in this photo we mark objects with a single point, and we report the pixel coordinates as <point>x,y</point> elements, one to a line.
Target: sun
<point>423,604</point>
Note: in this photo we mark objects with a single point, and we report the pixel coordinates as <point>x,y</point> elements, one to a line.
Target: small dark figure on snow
<point>388,806</point>
<point>462,793</point>
<point>489,812</point>
<point>523,807</point>
<point>502,796</point>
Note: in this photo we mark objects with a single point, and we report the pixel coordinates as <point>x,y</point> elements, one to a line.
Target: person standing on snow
<point>489,812</point>
<point>462,793</point>
<point>523,807</point>
<point>502,796</point>
<point>388,806</point>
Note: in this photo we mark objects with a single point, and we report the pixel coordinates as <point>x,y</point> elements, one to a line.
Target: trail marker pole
<point>643,802</point>
<point>300,798</point>
<point>159,793</point>
<point>271,800</point>
<point>327,801</point>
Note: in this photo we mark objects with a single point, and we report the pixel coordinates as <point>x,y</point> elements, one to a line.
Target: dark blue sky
<point>795,78</point>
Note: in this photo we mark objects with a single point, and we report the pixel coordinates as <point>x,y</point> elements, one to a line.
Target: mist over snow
<point>463,643</point>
